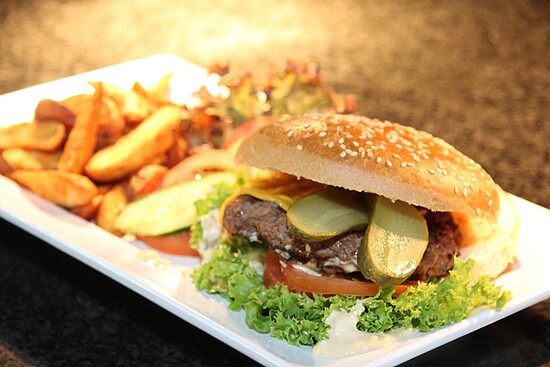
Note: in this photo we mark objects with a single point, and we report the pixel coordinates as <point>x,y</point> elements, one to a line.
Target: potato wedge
<point>136,108</point>
<point>113,203</point>
<point>88,211</point>
<point>66,189</point>
<point>81,143</point>
<point>45,136</point>
<point>48,109</point>
<point>18,158</point>
<point>158,93</point>
<point>111,123</point>
<point>112,91</point>
<point>146,180</point>
<point>137,148</point>
<point>5,168</point>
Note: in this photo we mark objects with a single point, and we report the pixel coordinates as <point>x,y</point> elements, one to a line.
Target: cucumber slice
<point>168,210</point>
<point>394,243</point>
<point>328,213</point>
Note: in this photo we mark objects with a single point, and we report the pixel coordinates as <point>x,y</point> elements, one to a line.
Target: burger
<point>345,197</point>
<point>342,213</point>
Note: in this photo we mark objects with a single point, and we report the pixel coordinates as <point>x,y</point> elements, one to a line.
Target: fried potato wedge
<point>5,168</point>
<point>114,201</point>
<point>18,158</point>
<point>115,92</point>
<point>111,123</point>
<point>88,211</point>
<point>137,148</point>
<point>158,93</point>
<point>45,136</point>
<point>48,109</point>
<point>82,139</point>
<point>136,107</point>
<point>146,180</point>
<point>66,189</point>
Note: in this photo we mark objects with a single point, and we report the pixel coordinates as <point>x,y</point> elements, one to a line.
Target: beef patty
<point>265,222</point>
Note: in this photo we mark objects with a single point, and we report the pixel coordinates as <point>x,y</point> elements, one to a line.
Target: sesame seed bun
<point>381,157</point>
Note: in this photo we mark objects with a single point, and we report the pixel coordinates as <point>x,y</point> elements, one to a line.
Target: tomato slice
<point>198,163</point>
<point>272,271</point>
<point>174,244</point>
<point>277,270</point>
<point>248,128</point>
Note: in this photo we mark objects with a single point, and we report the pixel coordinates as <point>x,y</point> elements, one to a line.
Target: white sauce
<point>211,233</point>
<point>306,270</point>
<point>344,340</point>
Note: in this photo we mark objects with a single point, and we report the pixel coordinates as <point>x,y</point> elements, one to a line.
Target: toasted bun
<point>381,157</point>
<point>493,246</point>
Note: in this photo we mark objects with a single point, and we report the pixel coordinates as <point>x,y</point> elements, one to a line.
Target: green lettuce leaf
<point>300,319</point>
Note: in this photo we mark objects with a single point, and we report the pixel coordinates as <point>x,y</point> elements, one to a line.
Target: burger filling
<point>266,222</point>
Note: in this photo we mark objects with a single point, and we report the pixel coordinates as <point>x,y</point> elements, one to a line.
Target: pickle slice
<point>394,243</point>
<point>328,213</point>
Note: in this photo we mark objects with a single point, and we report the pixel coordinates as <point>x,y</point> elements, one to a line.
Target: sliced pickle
<point>394,243</point>
<point>328,213</point>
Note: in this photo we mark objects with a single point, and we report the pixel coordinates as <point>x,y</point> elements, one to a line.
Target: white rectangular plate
<point>171,287</point>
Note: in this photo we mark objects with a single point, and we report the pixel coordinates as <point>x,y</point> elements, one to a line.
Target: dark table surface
<point>475,73</point>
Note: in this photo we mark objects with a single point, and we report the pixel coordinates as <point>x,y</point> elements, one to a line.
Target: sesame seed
<point>330,144</point>
<point>404,164</point>
<point>353,154</point>
<point>379,160</point>
<point>431,172</point>
<point>340,141</point>
<point>290,132</point>
<point>370,154</point>
<point>343,154</point>
<point>396,156</point>
<point>322,134</point>
<point>388,162</point>
<point>299,147</point>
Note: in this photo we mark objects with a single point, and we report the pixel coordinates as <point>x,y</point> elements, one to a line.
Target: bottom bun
<point>493,246</point>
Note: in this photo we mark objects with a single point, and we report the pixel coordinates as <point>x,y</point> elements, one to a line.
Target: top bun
<point>362,154</point>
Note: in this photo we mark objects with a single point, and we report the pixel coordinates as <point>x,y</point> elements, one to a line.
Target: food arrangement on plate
<point>305,216</point>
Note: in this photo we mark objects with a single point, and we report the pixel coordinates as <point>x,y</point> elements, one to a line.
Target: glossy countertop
<point>474,73</point>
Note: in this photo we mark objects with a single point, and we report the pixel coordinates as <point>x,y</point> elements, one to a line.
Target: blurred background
<point>474,73</point>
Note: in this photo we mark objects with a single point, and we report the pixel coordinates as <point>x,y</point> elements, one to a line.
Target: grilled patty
<point>266,222</point>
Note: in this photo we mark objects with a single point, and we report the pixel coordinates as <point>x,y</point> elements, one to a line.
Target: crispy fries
<point>112,204</point>
<point>66,189</point>
<point>81,143</point>
<point>146,180</point>
<point>47,136</point>
<point>88,211</point>
<point>18,158</point>
<point>94,153</point>
<point>49,109</point>
<point>136,149</point>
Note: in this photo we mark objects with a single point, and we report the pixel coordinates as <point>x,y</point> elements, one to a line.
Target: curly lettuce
<point>300,319</point>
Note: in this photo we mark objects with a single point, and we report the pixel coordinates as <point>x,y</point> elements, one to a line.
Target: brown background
<point>475,73</point>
